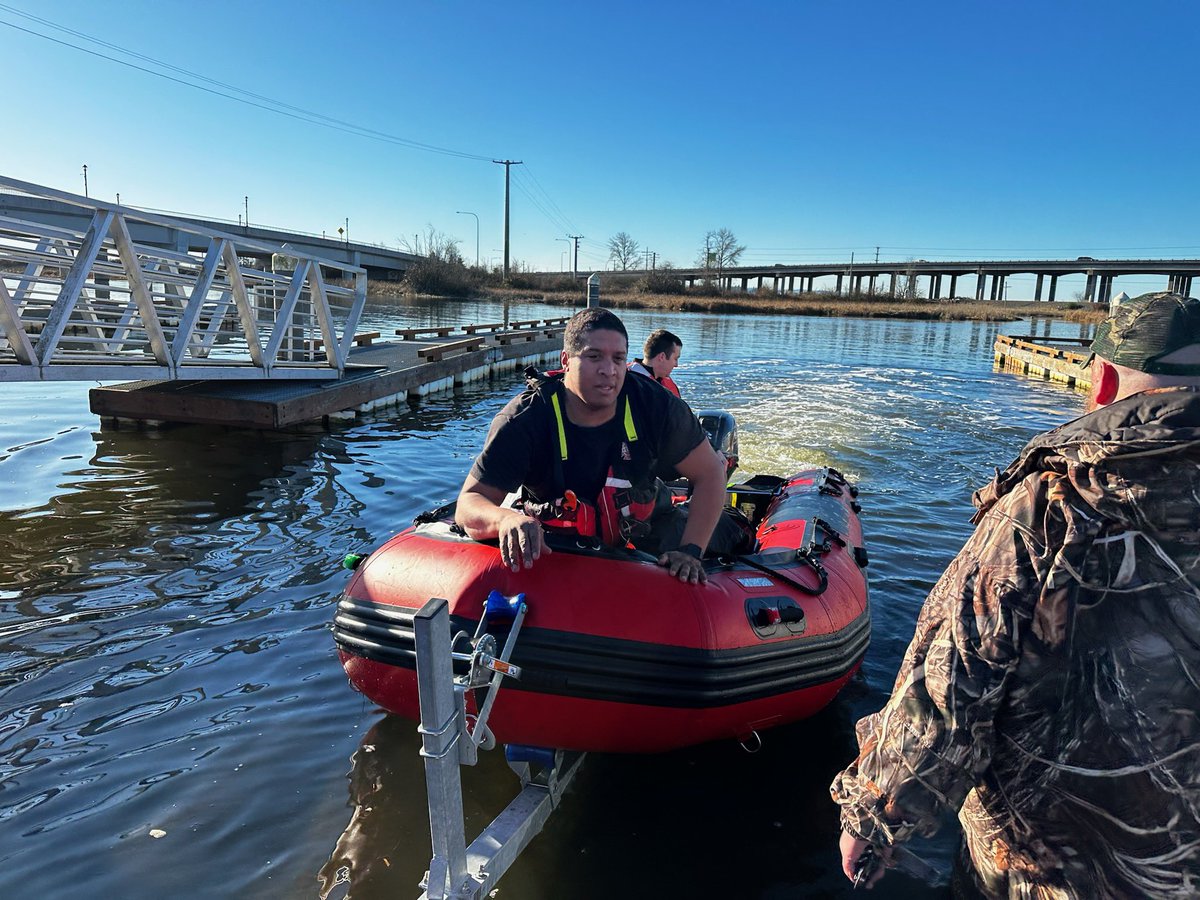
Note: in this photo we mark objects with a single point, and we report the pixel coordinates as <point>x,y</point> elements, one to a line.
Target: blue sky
<point>811,130</point>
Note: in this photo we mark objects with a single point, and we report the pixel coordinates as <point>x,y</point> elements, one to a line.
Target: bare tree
<point>623,250</point>
<point>907,288</point>
<point>721,250</point>
<point>434,244</point>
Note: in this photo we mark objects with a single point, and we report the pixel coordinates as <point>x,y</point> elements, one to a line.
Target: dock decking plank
<point>377,371</point>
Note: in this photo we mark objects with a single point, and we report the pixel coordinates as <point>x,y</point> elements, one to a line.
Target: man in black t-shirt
<point>545,446</point>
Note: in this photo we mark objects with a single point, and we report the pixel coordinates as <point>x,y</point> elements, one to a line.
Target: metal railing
<point>99,305</point>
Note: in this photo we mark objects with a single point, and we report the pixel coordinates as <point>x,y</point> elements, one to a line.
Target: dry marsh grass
<point>821,305</point>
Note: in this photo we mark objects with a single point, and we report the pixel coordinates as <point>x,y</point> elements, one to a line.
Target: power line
<point>249,98</point>
<point>560,224</point>
<point>558,213</point>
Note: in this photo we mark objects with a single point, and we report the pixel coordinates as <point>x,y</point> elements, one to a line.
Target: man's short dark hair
<point>588,320</point>
<point>661,341</point>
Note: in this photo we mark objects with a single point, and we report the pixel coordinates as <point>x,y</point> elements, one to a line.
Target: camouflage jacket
<point>1051,692</point>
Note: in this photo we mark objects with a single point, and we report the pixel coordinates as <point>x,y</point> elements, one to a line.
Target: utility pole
<point>246,202</point>
<point>850,290</point>
<point>876,254</point>
<point>508,164</point>
<point>575,265</point>
<point>85,193</point>
<point>654,260</point>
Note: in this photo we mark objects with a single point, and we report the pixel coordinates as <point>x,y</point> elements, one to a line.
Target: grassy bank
<point>814,304</point>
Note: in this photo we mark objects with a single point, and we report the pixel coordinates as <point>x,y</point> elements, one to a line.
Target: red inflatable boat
<point>615,654</point>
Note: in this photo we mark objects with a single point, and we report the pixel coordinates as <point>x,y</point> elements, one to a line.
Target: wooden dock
<point>1058,359</point>
<point>377,375</point>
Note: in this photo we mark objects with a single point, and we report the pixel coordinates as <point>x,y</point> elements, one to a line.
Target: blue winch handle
<point>499,608</point>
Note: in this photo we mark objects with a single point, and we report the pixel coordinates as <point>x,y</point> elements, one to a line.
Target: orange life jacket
<point>640,367</point>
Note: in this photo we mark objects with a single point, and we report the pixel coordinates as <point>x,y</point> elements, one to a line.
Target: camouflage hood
<point>1105,453</point>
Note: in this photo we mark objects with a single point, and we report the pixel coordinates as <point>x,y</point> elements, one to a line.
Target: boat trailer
<point>450,739</point>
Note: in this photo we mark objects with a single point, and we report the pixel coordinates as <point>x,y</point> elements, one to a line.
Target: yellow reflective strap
<point>562,432</point>
<point>630,431</point>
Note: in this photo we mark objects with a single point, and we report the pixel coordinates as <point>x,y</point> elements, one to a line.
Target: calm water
<point>166,664</point>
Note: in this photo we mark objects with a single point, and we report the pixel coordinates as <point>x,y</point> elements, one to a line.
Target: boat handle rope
<point>752,748</point>
<point>802,555</point>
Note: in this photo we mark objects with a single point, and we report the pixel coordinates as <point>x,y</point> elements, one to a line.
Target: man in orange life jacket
<point>660,356</point>
<point>586,447</point>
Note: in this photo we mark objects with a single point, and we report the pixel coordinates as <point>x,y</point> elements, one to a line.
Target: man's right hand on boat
<point>684,566</point>
<point>521,541</point>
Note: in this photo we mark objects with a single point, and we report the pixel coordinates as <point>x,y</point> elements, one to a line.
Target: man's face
<point>597,373</point>
<point>664,363</point>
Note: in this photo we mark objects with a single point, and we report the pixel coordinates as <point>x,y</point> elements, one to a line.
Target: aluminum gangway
<point>97,305</point>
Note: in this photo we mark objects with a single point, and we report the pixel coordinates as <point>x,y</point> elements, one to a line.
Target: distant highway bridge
<point>943,277</point>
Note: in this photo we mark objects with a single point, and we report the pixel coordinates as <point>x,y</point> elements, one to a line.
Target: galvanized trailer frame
<point>458,871</point>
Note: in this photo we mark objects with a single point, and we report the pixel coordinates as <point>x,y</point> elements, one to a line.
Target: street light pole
<point>463,212</point>
<point>85,192</point>
<point>566,241</point>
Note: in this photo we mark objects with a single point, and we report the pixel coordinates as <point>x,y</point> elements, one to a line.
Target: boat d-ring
<point>746,744</point>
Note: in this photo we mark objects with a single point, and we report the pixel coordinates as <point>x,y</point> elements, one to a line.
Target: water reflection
<point>164,602</point>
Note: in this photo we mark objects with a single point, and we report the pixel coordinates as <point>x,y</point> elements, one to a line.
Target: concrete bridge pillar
<point>1180,283</point>
<point>892,286</point>
<point>953,286</point>
<point>1089,289</point>
<point>746,283</point>
<point>1053,288</point>
<point>839,283</point>
<point>791,282</point>
<point>980,286</point>
<point>935,287</point>
<point>1037,291</point>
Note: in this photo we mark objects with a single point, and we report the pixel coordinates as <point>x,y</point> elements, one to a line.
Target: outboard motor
<point>721,429</point>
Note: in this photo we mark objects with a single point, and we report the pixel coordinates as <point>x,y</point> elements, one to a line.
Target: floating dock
<point>1059,359</point>
<point>377,375</point>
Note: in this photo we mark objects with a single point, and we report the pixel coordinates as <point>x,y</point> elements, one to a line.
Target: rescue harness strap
<point>630,429</point>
